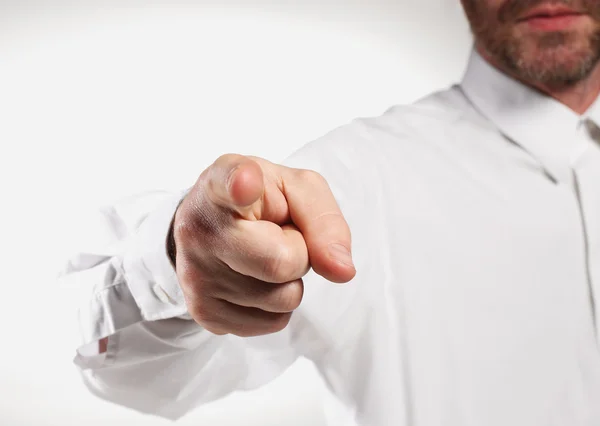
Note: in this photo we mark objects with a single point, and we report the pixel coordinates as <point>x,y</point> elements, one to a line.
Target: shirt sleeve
<point>160,362</point>
<point>122,267</point>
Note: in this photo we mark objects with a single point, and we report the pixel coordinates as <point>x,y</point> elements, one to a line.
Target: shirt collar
<point>541,125</point>
<point>593,113</point>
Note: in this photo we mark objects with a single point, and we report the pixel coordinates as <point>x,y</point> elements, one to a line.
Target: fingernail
<point>341,254</point>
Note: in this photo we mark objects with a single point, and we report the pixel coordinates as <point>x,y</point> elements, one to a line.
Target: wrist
<point>171,245</point>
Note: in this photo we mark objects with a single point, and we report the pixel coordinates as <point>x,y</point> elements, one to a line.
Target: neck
<point>578,97</point>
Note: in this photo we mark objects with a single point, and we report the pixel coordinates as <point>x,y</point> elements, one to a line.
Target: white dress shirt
<point>475,216</point>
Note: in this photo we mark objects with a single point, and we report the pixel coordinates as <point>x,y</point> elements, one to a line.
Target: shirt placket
<point>587,174</point>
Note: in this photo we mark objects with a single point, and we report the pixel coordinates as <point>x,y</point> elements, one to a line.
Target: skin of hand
<point>246,234</point>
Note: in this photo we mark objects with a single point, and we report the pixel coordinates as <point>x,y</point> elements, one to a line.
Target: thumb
<point>235,182</point>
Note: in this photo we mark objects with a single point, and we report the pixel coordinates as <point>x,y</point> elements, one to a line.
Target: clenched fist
<point>245,236</point>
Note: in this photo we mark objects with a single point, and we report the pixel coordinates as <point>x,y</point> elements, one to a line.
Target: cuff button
<point>161,294</point>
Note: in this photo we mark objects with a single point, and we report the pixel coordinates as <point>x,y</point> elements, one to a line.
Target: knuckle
<point>223,158</point>
<point>333,221</point>
<point>257,160</point>
<point>215,329</point>
<point>279,323</point>
<point>246,331</point>
<point>290,298</point>
<point>200,309</point>
<point>223,163</point>
<point>228,158</point>
<point>311,176</point>
<point>209,323</point>
<point>199,315</point>
<point>333,215</point>
<point>218,173</point>
<point>202,305</point>
<point>187,279</point>
<point>192,279</point>
<point>183,231</point>
<point>277,264</point>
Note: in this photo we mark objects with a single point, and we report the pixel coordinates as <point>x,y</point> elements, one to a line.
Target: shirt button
<point>162,294</point>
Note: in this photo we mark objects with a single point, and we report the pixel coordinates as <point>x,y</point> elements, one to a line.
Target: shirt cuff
<point>148,270</point>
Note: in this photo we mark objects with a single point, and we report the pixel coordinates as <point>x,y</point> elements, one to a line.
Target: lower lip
<point>553,23</point>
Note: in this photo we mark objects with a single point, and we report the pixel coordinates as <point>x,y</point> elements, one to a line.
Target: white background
<point>101,99</point>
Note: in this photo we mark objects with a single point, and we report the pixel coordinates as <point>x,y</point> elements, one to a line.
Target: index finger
<point>315,211</point>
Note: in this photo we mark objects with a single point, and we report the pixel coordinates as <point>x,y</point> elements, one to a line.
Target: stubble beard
<point>553,59</point>
<point>557,59</point>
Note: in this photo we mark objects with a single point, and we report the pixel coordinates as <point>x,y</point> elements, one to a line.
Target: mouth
<point>551,18</point>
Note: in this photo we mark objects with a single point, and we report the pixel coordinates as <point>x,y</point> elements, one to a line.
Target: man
<point>470,295</point>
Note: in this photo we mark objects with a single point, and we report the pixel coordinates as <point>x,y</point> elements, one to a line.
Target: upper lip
<point>548,11</point>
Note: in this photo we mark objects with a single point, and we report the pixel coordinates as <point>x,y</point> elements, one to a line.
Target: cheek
<point>492,8</point>
<point>494,4</point>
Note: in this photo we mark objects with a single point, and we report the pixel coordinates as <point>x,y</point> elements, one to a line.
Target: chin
<point>554,59</point>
